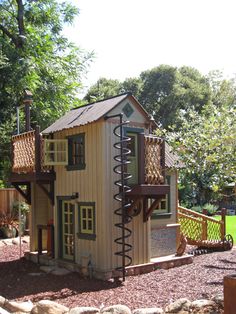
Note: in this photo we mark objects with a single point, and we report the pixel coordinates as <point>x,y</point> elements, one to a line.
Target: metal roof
<point>171,159</point>
<point>85,114</point>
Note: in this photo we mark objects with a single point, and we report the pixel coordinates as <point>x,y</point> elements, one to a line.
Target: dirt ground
<point>22,280</point>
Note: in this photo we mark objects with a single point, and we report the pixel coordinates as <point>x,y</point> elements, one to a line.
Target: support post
<point>37,149</point>
<point>223,226</point>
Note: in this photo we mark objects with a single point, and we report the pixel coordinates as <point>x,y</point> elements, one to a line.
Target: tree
<point>164,92</point>
<point>35,55</point>
<point>206,144</point>
<point>104,88</point>
<point>167,91</point>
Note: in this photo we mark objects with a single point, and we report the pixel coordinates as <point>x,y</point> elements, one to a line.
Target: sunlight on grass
<point>230,226</point>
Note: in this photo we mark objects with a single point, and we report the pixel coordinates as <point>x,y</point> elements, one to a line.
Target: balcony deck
<point>28,159</point>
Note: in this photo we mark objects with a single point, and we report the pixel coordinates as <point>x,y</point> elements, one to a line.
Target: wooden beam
<point>141,160</point>
<point>135,203</point>
<point>27,194</point>
<point>152,207</point>
<point>149,190</point>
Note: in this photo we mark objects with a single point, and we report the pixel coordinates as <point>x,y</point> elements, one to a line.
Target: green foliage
<point>35,55</point>
<point>206,145</point>
<point>104,88</point>
<point>24,208</point>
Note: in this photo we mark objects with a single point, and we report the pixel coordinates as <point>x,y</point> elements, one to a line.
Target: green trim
<point>71,140</point>
<point>132,130</point>
<point>83,234</point>
<point>161,216</point>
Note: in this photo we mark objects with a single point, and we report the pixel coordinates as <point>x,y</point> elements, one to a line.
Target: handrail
<point>192,212</point>
<point>211,228</point>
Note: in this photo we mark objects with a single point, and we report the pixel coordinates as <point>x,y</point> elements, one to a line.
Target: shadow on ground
<point>22,278</point>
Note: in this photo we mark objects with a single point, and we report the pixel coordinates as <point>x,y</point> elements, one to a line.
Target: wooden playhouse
<point>84,210</point>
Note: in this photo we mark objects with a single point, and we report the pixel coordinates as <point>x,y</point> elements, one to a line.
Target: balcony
<point>151,187</point>
<point>28,158</point>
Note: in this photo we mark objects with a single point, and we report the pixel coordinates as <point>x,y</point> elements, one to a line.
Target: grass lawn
<point>230,226</point>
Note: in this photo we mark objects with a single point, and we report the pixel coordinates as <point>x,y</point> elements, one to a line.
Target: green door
<point>133,158</point>
<point>68,230</point>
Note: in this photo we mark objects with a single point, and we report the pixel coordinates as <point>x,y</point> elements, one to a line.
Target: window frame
<point>55,152</point>
<point>83,233</point>
<point>167,214</point>
<point>72,139</point>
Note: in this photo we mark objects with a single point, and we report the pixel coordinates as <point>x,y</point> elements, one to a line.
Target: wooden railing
<point>197,227</point>
<point>27,152</point>
<point>154,160</point>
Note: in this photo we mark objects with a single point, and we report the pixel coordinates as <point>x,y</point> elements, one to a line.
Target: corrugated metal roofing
<point>171,159</point>
<point>85,114</point>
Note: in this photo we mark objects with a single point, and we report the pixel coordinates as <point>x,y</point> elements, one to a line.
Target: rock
<point>49,307</point>
<point>60,271</point>
<point>84,310</point>
<point>179,305</point>
<point>47,269</point>
<point>23,307</point>
<point>2,301</point>
<point>15,241</point>
<point>116,309</point>
<point>153,310</point>
<point>2,311</point>
<point>199,304</point>
<point>219,299</point>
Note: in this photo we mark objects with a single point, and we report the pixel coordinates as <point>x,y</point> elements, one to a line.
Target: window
<point>76,152</point>
<point>55,152</point>
<point>86,221</point>
<point>163,209</point>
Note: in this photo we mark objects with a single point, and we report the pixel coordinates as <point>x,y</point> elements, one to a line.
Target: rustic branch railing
<point>27,153</point>
<point>154,157</point>
<point>198,227</point>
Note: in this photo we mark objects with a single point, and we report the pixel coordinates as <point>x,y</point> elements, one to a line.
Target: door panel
<point>133,158</point>
<point>68,230</point>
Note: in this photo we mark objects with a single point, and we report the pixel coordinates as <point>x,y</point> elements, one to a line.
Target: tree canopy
<point>35,55</point>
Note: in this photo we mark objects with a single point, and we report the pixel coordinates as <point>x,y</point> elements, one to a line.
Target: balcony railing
<point>154,160</point>
<point>27,153</point>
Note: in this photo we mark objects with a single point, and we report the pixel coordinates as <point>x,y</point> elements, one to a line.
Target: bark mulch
<point>22,280</point>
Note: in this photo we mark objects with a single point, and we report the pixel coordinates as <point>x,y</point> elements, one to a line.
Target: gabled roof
<point>171,159</point>
<point>89,113</point>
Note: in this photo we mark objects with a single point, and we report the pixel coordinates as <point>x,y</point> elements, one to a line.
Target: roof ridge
<point>92,103</point>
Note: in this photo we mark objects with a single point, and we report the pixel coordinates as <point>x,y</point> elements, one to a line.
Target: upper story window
<point>55,152</point>
<point>76,152</point>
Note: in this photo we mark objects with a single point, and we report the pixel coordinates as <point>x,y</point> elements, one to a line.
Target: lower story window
<point>164,204</point>
<point>86,221</point>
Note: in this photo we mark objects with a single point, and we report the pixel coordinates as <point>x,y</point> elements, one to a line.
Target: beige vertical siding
<point>96,184</point>
<point>41,213</point>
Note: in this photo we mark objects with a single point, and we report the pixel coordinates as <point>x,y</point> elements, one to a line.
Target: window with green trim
<point>86,221</point>
<point>76,152</point>
<point>163,208</point>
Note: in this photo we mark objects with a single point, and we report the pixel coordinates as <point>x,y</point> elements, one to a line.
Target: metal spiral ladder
<point>121,183</point>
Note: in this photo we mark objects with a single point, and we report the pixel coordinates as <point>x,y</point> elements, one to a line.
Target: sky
<point>131,36</point>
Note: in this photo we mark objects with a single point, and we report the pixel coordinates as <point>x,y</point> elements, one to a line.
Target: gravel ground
<point>202,279</point>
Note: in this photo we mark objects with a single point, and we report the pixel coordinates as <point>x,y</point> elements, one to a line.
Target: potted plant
<point>24,210</point>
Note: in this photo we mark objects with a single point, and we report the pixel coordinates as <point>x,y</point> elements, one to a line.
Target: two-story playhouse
<point>75,177</point>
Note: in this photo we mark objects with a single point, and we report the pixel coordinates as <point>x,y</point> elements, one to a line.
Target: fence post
<point>223,225</point>
<point>204,230</point>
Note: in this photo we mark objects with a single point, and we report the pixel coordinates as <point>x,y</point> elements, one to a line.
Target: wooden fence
<point>7,198</point>
<point>199,228</point>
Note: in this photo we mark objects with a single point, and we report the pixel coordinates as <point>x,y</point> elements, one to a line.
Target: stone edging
<point>181,306</point>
